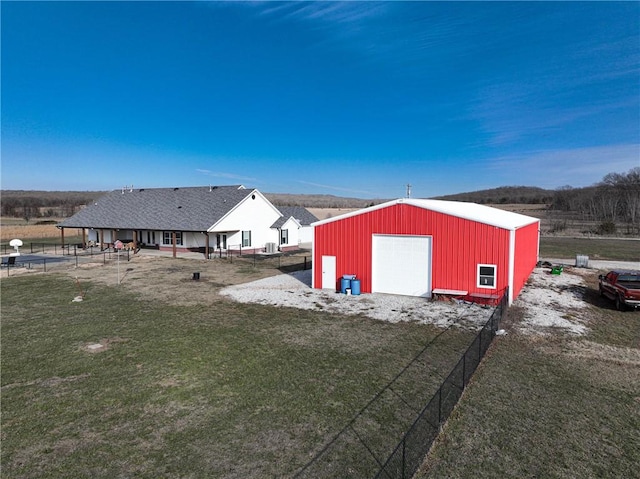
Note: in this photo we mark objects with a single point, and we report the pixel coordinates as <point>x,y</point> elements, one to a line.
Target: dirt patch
<point>101,346</point>
<point>48,382</point>
<point>170,280</point>
<point>602,352</point>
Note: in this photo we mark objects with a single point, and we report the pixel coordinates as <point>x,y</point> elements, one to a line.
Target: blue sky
<point>351,99</point>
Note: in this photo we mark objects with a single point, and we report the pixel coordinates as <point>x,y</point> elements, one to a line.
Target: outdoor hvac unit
<point>271,247</point>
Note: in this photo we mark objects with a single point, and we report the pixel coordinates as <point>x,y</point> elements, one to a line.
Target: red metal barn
<point>418,247</point>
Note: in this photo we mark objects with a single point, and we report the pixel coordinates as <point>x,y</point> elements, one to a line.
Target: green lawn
<point>553,407</point>
<point>595,248</point>
<point>232,390</point>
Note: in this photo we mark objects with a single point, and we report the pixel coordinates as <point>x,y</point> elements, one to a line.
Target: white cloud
<point>326,12</point>
<point>575,167</point>
<point>334,188</point>
<point>218,174</point>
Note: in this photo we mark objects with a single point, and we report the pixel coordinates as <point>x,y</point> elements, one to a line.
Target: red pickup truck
<point>623,287</point>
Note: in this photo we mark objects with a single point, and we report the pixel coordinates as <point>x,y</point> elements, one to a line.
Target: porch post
<point>173,237</point>
<point>84,238</point>
<point>62,235</point>
<point>101,239</point>
<point>206,247</point>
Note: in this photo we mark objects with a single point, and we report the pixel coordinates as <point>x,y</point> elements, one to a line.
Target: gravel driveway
<point>294,290</point>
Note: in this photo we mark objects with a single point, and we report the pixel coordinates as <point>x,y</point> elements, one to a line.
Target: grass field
<point>553,407</point>
<point>186,384</point>
<point>201,390</point>
<point>595,248</point>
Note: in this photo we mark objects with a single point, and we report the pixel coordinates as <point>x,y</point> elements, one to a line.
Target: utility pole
<point>408,190</point>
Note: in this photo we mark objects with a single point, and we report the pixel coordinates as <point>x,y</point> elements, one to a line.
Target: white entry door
<point>401,265</point>
<point>329,272</point>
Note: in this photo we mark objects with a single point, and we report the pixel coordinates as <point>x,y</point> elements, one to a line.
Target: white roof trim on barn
<point>469,211</point>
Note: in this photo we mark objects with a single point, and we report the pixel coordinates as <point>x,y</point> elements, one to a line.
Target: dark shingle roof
<point>302,215</point>
<point>180,209</point>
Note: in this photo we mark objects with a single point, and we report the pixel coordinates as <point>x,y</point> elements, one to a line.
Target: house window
<point>246,238</point>
<point>167,238</point>
<point>221,241</point>
<point>487,276</point>
<point>284,236</point>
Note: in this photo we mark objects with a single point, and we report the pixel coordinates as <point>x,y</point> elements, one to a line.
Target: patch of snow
<point>294,290</point>
<point>552,301</point>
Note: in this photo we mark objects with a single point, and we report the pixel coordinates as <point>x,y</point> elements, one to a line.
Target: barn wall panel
<point>526,255</point>
<point>458,245</point>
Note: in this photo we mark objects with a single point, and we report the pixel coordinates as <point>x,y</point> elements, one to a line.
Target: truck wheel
<point>619,304</point>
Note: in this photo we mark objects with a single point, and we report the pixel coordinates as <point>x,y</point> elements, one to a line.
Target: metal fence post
<point>464,370</point>
<point>44,263</point>
<point>440,406</point>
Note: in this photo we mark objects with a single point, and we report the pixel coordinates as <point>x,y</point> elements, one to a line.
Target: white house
<point>295,226</point>
<point>204,219</point>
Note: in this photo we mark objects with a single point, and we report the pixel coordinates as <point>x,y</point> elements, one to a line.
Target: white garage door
<point>401,265</point>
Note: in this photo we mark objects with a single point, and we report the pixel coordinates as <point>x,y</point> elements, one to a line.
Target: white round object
<point>15,242</point>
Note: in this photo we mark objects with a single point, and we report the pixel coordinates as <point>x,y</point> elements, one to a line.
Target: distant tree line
<point>613,203</point>
<point>503,195</point>
<point>44,204</point>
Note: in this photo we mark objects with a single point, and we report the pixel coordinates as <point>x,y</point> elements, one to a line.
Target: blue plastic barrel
<point>345,284</point>
<point>355,286</point>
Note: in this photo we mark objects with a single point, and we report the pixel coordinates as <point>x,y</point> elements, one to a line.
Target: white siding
<point>252,214</point>
<point>292,230</point>
<point>305,234</point>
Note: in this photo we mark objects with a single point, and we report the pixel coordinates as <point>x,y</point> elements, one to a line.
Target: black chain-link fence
<point>65,258</point>
<point>48,256</point>
<point>391,436</point>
